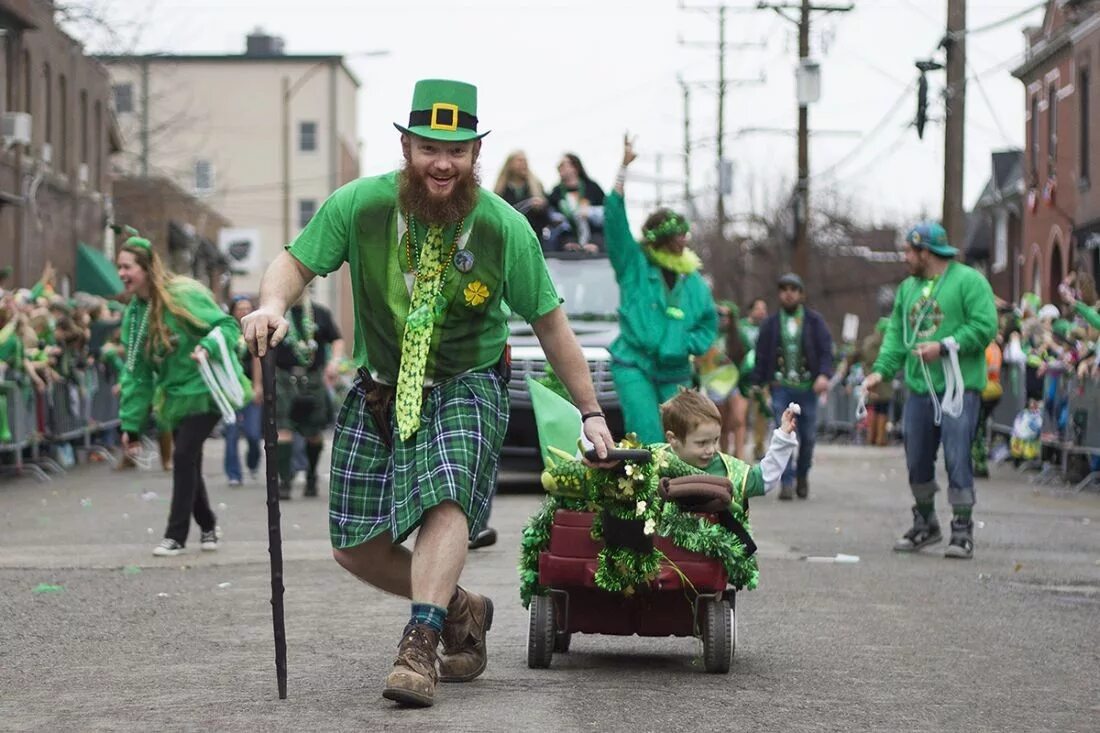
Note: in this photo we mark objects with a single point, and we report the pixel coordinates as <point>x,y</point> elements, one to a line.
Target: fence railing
<point>51,429</point>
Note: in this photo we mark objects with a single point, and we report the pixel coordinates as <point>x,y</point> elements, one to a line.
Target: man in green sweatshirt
<point>944,317</point>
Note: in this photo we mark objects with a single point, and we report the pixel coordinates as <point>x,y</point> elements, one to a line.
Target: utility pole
<point>800,257</point>
<point>689,202</point>
<point>721,120</point>
<point>144,118</point>
<point>657,183</point>
<point>722,85</point>
<point>954,43</point>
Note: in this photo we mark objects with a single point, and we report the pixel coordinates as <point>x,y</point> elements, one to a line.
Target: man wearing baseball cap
<point>944,317</point>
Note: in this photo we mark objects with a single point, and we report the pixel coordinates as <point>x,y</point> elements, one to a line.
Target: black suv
<point>587,284</point>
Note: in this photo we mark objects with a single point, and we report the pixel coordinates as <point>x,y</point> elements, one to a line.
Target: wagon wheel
<point>540,633</point>
<point>718,636</point>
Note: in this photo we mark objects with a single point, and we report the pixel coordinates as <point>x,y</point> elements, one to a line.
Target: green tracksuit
<point>661,327</point>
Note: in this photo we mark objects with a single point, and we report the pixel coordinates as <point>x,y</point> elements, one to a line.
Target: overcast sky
<point>571,75</point>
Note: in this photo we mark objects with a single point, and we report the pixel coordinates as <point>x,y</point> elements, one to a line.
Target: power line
<point>998,23</point>
<point>874,132</point>
<point>989,106</point>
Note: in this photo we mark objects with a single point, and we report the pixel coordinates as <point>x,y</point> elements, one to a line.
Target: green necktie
<point>418,334</point>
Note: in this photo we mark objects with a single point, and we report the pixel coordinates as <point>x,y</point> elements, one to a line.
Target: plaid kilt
<point>452,457</point>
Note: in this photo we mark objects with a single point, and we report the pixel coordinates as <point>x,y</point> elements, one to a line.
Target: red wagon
<point>703,606</point>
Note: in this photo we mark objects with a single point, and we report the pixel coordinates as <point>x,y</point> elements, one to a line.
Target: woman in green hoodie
<point>168,329</point>
<point>666,311</point>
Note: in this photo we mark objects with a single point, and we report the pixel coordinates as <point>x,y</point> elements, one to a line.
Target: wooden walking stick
<point>274,533</point>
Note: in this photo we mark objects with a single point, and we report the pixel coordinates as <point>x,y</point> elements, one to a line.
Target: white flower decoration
<point>650,526</point>
<point>639,510</point>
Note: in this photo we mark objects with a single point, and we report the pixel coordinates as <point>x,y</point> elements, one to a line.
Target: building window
<point>1034,135</point>
<point>306,209</point>
<point>63,92</point>
<point>98,132</point>
<point>27,99</point>
<point>1052,129</point>
<point>1000,241</point>
<point>83,126</point>
<point>124,98</point>
<point>1083,124</point>
<point>204,176</point>
<point>47,95</point>
<point>307,137</point>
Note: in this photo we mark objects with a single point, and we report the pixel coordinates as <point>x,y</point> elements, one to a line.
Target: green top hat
<point>931,236</point>
<point>443,110</point>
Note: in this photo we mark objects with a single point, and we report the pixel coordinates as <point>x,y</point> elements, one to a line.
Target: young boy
<point>692,428</point>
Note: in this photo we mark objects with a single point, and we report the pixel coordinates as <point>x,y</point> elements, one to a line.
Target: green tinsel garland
<point>630,492</point>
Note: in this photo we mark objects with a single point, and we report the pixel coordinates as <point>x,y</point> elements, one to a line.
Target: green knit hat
<point>443,110</point>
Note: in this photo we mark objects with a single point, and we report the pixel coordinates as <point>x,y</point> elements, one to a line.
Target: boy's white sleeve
<point>776,459</point>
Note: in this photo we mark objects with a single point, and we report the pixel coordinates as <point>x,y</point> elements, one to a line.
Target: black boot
<point>961,546</point>
<point>924,532</point>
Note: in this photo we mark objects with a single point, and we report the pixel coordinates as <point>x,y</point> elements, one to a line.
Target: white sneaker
<point>210,539</point>
<point>168,548</point>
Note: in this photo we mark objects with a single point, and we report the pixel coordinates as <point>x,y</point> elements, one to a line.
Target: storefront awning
<point>95,274</point>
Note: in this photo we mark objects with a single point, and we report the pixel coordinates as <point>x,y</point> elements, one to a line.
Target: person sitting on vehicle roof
<point>576,210</point>
<point>666,314</point>
<point>521,188</point>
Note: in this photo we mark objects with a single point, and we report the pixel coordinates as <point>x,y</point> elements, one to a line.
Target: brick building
<point>184,230</point>
<point>1062,209</point>
<point>54,177</point>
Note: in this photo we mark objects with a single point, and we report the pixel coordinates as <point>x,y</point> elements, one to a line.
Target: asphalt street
<point>97,634</point>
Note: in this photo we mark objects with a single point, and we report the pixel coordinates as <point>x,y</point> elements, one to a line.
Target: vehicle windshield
<point>587,285</point>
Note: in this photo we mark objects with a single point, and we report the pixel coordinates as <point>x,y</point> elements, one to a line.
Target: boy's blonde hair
<point>687,411</point>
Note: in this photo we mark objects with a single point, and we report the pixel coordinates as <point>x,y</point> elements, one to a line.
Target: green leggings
<point>641,398</point>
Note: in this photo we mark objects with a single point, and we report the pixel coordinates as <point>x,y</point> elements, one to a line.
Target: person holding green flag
<point>666,312</point>
<point>437,262</point>
<point>943,319</point>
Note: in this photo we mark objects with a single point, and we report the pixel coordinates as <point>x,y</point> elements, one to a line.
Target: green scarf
<point>684,263</point>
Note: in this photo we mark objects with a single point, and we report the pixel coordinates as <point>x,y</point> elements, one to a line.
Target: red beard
<point>414,197</point>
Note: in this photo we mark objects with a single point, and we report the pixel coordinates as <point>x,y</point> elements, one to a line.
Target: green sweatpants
<point>641,397</point>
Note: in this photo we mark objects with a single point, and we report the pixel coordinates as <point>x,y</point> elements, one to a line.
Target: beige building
<point>262,137</point>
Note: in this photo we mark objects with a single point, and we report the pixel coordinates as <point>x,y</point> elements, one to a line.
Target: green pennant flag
<point>557,419</point>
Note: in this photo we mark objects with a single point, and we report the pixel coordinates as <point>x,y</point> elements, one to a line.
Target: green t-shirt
<point>360,224</point>
<point>960,304</point>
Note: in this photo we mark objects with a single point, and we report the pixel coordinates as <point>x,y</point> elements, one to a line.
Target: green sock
<point>426,613</point>
<point>284,452</point>
<point>962,512</point>
<point>927,509</point>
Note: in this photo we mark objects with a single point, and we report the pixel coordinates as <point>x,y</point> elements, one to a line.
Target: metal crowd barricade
<point>838,417</point>
<point>78,413</point>
<point>1013,398</point>
<point>22,424</point>
<point>1083,424</point>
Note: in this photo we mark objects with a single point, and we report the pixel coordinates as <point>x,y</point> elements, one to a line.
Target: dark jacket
<point>817,347</point>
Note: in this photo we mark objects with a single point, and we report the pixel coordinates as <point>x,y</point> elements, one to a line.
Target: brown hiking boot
<point>464,655</point>
<point>414,676</point>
